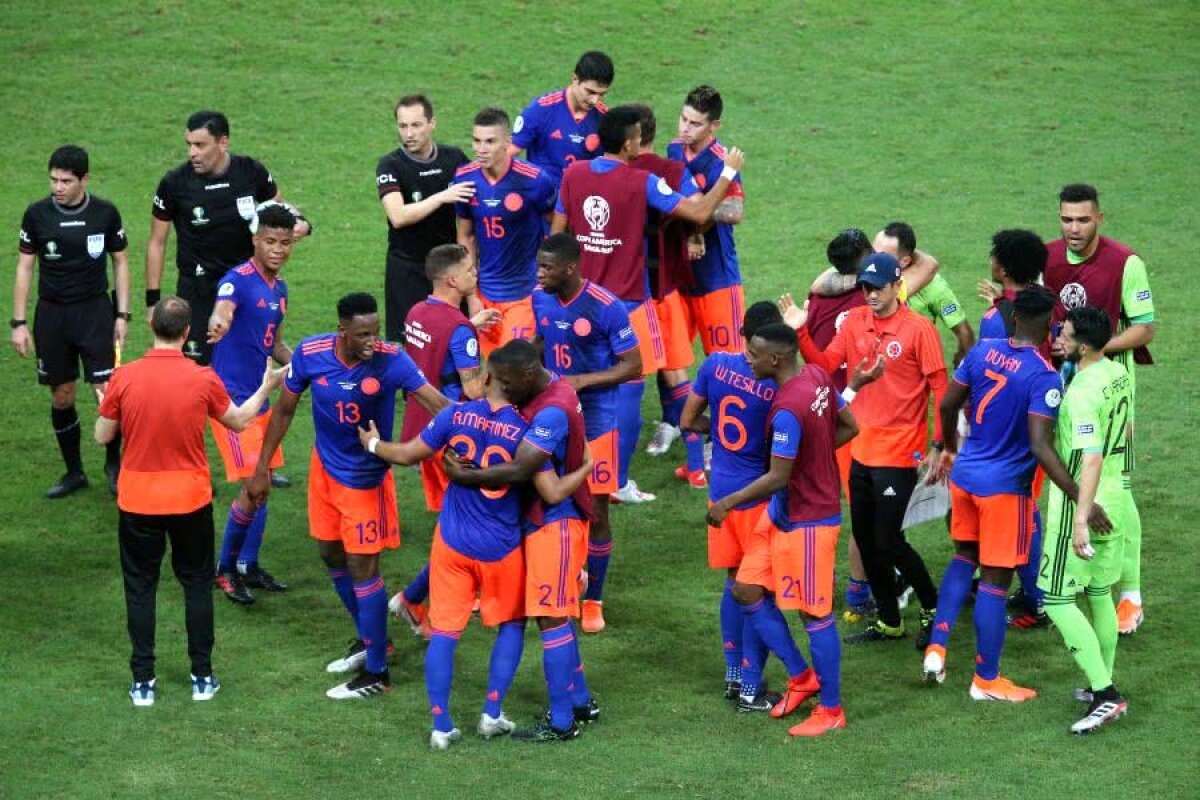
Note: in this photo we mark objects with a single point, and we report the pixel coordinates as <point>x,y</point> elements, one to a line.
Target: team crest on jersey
<point>51,253</point>
<point>245,207</point>
<point>198,217</point>
<point>894,349</point>
<point>1053,398</point>
<point>591,142</point>
<point>513,201</point>
<point>596,212</point>
<point>582,327</point>
<point>95,244</point>
<point>370,386</point>
<point>1073,295</point>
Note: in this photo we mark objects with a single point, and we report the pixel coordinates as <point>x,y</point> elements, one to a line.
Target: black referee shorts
<point>67,333</point>
<point>404,285</point>
<point>201,293</point>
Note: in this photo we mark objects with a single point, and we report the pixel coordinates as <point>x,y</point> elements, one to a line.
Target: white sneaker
<point>630,493</point>
<point>142,692</point>
<point>934,667</point>
<point>441,740</point>
<point>494,726</point>
<point>205,688</point>
<point>1100,713</point>
<point>664,437</point>
<point>354,659</point>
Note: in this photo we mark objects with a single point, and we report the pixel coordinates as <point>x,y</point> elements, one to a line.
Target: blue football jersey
<point>549,431</point>
<point>739,406</point>
<point>480,523</point>
<point>1007,384</point>
<point>241,355</point>
<point>507,216</point>
<point>589,333</point>
<point>552,136</point>
<point>718,268</point>
<point>347,396</point>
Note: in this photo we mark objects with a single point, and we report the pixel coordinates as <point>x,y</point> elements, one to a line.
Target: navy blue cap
<point>879,270</point>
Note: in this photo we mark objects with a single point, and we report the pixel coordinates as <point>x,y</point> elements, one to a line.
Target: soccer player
<point>1014,395</point>
<point>352,514</point>
<point>245,329</point>
<point>554,455</point>
<point>587,338</point>
<point>893,417</point>
<point>1017,259</point>
<point>210,200</point>
<point>1093,436</point>
<point>416,188</point>
<point>604,204</point>
<point>444,344</point>
<point>501,226</point>
<point>476,549</point>
<point>825,315</point>
<point>935,301</point>
<point>667,266</point>
<point>560,127</point>
<point>71,235</point>
<point>1085,268</point>
<point>794,544</point>
<point>714,298</point>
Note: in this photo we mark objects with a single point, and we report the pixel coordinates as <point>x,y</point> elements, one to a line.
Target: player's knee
<point>546,623</point>
<point>63,395</point>
<point>968,550</point>
<point>332,554</point>
<point>363,567</point>
<point>996,576</point>
<point>747,594</point>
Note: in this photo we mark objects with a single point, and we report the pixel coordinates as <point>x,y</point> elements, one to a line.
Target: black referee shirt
<point>71,244</point>
<point>212,213</point>
<point>400,172</point>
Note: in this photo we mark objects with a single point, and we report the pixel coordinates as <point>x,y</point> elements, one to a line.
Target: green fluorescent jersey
<point>1097,416</point>
<point>937,301</point>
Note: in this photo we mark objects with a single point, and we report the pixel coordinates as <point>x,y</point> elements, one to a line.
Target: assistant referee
<point>162,403</point>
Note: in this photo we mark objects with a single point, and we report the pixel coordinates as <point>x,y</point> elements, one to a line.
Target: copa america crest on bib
<point>596,212</point>
<point>95,244</point>
<point>245,207</point>
<point>1073,295</point>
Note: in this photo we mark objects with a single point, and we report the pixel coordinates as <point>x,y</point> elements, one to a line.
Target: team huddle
<point>526,302</point>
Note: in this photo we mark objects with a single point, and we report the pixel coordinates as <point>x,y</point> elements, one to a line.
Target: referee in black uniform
<point>210,199</point>
<point>414,187</point>
<point>71,234</point>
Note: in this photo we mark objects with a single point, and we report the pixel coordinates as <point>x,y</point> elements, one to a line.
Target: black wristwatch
<point>125,315</point>
<point>15,323</point>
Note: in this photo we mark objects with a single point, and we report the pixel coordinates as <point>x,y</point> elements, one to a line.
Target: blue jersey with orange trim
<point>507,215</point>
<point>588,333</point>
<point>718,267</point>
<point>1007,383</point>
<point>346,396</point>
<point>991,325</point>
<point>241,355</point>
<point>480,523</point>
<point>739,405</point>
<point>553,138</point>
<point>786,433</point>
<point>549,431</point>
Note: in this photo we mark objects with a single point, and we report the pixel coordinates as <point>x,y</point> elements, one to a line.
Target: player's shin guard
<point>754,658</point>
<point>956,585</point>
<point>1028,572</point>
<point>345,591</point>
<point>597,567</point>
<point>418,589</point>
<point>826,648</point>
<point>439,676</point>
<point>1131,561</point>
<point>372,621</point>
<point>235,536</point>
<point>66,431</point>
<point>581,695</point>
<point>254,537</point>
<point>506,657</point>
<point>990,626</point>
<point>557,655</point>
<point>676,398</point>
<point>629,425</point>
<point>732,624</point>
<point>1104,623</point>
<point>694,443</point>
<point>773,630</point>
<point>1080,639</point>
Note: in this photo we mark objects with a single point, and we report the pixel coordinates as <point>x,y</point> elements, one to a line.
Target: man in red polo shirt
<point>893,415</point>
<point>161,405</point>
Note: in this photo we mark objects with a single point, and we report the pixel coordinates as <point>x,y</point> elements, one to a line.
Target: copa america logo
<point>596,212</point>
<point>1073,295</point>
